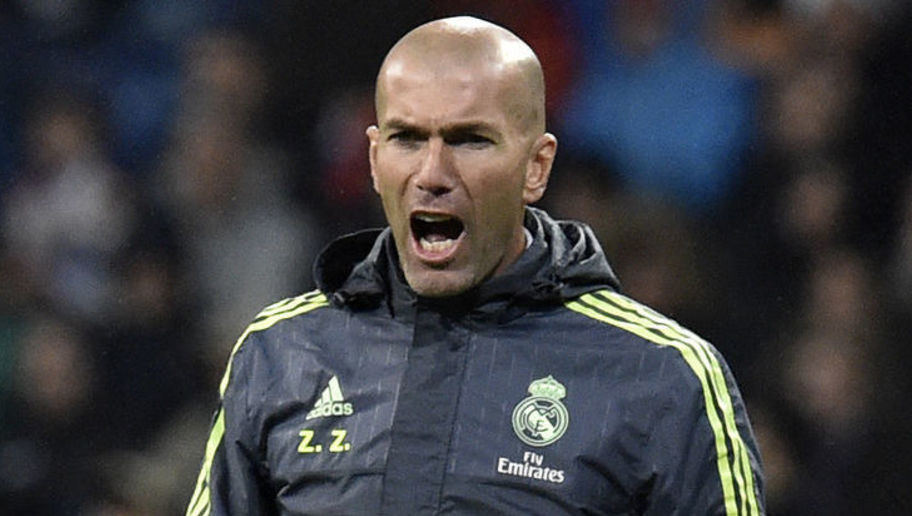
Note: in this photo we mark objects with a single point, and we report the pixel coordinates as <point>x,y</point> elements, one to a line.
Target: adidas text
<point>331,409</point>
<point>332,402</point>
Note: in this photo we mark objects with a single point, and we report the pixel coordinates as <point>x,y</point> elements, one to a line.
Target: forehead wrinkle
<point>468,124</point>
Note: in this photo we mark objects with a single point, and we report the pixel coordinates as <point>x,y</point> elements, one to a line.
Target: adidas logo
<point>331,402</point>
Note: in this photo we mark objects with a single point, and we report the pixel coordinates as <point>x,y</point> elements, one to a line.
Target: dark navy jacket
<point>543,391</point>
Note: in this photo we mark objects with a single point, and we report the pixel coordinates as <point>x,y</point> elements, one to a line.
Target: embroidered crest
<point>542,419</point>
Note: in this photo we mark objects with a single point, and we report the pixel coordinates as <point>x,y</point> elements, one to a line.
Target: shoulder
<point>653,334</point>
<point>270,324</point>
<point>277,317</point>
<point>286,309</point>
<point>703,411</point>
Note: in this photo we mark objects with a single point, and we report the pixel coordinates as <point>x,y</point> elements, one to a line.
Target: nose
<point>436,175</point>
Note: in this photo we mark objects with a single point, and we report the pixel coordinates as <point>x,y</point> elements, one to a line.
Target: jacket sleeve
<point>232,479</point>
<point>703,455</point>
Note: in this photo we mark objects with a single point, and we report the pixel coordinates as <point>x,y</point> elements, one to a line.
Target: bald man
<point>475,357</point>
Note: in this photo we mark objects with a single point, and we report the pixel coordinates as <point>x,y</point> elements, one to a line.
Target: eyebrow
<point>397,124</point>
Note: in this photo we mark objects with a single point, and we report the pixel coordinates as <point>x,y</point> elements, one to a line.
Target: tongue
<point>433,238</point>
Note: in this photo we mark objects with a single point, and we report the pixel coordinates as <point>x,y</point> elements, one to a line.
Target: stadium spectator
<point>69,210</point>
<point>654,104</point>
<point>224,188</point>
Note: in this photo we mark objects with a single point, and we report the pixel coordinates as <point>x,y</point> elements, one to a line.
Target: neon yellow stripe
<point>657,322</point>
<point>743,473</point>
<point>207,504</point>
<point>266,323</point>
<point>289,303</point>
<point>276,307</point>
<point>204,506</point>
<point>693,361</point>
<point>671,329</point>
<point>200,503</point>
<point>728,491</point>
<point>277,304</point>
<point>200,498</point>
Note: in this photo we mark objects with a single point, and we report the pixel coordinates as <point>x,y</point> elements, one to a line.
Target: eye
<point>469,139</point>
<point>406,138</point>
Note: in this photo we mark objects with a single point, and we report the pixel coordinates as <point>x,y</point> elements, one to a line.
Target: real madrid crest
<point>541,419</point>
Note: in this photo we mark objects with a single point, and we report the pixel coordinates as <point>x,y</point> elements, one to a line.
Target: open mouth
<point>435,233</point>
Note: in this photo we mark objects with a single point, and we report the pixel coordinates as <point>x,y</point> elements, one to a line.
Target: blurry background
<point>168,168</point>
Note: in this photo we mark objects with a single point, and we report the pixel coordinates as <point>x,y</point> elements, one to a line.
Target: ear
<point>538,169</point>
<point>373,137</point>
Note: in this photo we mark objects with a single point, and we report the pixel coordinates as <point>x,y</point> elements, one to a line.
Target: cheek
<point>493,173</point>
<point>386,186</point>
<point>500,190</point>
<point>498,200</point>
<point>389,175</point>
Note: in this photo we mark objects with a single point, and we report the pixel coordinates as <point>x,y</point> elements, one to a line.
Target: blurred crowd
<point>168,168</point>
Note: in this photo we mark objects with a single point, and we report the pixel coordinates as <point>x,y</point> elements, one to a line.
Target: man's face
<point>454,167</point>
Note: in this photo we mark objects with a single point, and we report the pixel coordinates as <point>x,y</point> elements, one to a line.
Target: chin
<point>439,283</point>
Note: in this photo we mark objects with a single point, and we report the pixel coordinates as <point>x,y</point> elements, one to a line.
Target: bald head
<point>459,141</point>
<point>470,47</point>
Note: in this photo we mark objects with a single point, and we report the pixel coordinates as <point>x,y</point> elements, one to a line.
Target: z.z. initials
<point>337,445</point>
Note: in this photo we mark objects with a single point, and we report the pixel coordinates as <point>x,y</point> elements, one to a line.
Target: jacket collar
<point>565,260</point>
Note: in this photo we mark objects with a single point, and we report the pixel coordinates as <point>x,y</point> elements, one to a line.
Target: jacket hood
<point>563,261</point>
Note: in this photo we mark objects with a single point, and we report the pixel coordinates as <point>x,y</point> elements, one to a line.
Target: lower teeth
<point>438,246</point>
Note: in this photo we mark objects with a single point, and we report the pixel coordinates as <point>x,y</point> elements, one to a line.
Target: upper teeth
<point>429,217</point>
